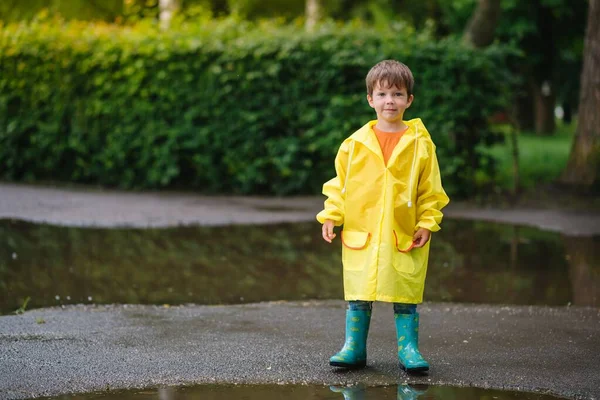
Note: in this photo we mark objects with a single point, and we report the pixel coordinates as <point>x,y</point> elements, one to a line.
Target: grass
<point>541,158</point>
<point>21,310</point>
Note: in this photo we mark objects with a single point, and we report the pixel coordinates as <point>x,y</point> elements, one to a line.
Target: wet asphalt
<point>77,349</point>
<point>95,348</point>
<point>110,208</point>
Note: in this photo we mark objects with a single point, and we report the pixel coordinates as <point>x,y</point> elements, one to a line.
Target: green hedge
<point>224,106</point>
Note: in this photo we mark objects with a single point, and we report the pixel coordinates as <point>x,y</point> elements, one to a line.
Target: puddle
<point>475,262</point>
<point>297,392</point>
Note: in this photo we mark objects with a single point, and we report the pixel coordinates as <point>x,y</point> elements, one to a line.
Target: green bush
<point>224,106</point>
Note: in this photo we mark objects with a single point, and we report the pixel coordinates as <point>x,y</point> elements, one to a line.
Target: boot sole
<point>346,365</point>
<point>415,370</point>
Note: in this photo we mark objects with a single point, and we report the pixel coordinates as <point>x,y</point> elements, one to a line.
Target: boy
<point>388,195</point>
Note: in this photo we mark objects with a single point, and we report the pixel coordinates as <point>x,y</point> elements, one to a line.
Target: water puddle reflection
<point>470,261</point>
<point>297,392</point>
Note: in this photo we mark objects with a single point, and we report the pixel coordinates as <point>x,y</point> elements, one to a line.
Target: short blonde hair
<point>391,73</point>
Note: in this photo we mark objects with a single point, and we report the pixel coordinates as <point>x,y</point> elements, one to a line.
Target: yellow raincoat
<point>381,207</point>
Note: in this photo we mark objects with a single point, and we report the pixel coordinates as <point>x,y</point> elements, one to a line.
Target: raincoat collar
<point>366,136</point>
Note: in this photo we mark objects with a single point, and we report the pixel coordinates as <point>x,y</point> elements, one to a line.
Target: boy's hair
<point>391,73</point>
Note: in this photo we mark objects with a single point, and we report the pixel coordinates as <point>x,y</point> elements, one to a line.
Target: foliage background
<point>227,105</point>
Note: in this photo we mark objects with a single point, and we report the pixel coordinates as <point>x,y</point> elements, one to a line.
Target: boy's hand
<point>328,234</point>
<point>421,237</point>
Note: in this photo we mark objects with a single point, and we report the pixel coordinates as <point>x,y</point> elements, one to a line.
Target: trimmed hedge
<point>226,107</point>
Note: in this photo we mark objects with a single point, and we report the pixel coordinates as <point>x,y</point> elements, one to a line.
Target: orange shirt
<point>387,141</point>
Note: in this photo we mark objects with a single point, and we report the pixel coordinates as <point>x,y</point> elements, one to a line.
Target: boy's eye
<point>399,94</point>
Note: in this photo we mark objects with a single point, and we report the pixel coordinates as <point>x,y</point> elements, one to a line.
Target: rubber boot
<point>407,332</point>
<point>349,392</point>
<point>354,352</point>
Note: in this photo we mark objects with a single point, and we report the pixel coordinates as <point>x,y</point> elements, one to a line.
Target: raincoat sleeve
<point>431,197</point>
<point>334,204</point>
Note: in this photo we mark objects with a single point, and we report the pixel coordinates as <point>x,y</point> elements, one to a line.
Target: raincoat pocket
<point>402,259</point>
<point>355,253</point>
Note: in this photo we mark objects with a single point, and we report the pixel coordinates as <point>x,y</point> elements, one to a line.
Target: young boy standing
<point>388,195</point>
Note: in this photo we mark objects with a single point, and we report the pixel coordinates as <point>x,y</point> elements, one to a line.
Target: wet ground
<point>91,347</point>
<point>110,208</point>
<point>471,262</point>
<point>550,350</point>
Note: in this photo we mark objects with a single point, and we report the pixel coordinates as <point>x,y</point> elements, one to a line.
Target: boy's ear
<point>370,100</point>
<point>410,100</point>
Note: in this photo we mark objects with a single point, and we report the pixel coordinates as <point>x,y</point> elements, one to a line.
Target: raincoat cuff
<point>325,214</point>
<point>431,226</point>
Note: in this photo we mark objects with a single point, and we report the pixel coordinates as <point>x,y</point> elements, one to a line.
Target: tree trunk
<point>523,105</point>
<point>544,103</point>
<point>313,14</point>
<point>167,9</point>
<point>480,30</point>
<point>583,168</point>
<point>514,142</point>
<point>567,112</point>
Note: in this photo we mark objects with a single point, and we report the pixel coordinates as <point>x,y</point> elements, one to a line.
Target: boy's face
<point>389,102</point>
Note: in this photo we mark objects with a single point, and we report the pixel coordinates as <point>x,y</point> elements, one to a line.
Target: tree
<point>167,9</point>
<point>583,168</point>
<point>480,30</point>
<point>548,32</point>
<point>313,13</point>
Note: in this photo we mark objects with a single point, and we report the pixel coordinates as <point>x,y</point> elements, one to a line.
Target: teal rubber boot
<point>354,352</point>
<point>407,332</point>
